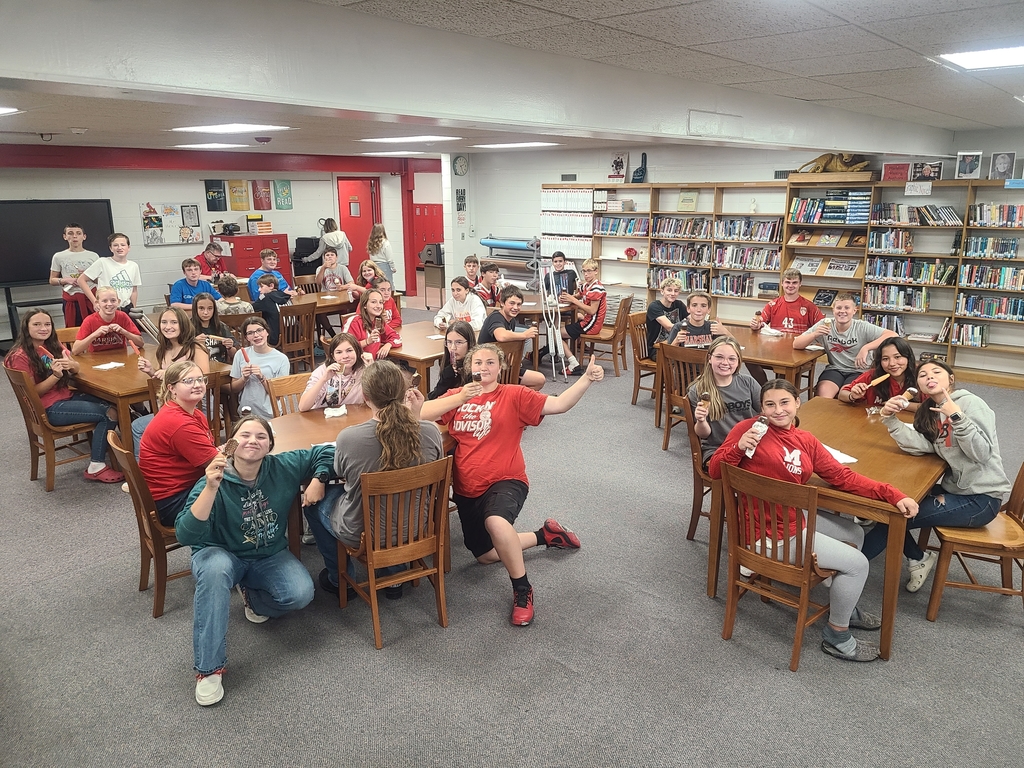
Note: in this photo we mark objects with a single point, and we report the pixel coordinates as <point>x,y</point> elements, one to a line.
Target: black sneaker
<point>393,593</point>
<point>579,370</point>
<point>544,351</point>
<point>328,586</point>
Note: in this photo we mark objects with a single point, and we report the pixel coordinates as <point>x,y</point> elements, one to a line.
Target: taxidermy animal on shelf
<point>639,174</point>
<point>831,162</point>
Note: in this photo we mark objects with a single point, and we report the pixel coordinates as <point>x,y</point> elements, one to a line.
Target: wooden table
<point>419,351</point>
<point>327,303</point>
<point>777,353</point>
<point>848,429</point>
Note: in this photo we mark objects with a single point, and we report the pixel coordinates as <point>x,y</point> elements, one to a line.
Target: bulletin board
<point>170,223</point>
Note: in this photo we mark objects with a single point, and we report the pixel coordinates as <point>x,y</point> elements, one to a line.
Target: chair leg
<point>622,354</point>
<point>144,568</point>
<point>658,396</point>
<point>1006,567</point>
<point>437,580</point>
<point>636,383</point>
<point>378,639</point>
<point>732,597</point>
<point>801,621</point>
<point>696,507</point>
<point>717,519</point>
<point>51,463</point>
<point>668,425</point>
<point>159,583</point>
<point>939,583</point>
<point>34,450</point>
<point>922,538</point>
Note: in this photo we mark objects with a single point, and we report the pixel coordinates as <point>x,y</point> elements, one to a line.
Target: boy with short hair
<point>184,291</point>
<point>789,313</point>
<point>501,326</point>
<point>472,266</point>
<point>117,272</point>
<point>663,313</point>
<point>487,287</point>
<point>561,280</point>
<point>229,303</point>
<point>697,330</point>
<point>268,266</point>
<point>107,328</point>
<point>210,262</point>
<point>65,268</point>
<point>253,366</point>
<point>591,303</point>
<point>269,300</point>
<point>848,344</point>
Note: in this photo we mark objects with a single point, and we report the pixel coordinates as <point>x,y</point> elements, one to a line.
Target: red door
<point>359,204</point>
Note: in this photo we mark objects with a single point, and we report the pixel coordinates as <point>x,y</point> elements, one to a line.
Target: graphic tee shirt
<point>489,296</point>
<point>675,312</point>
<point>842,348</point>
<point>742,401</point>
<point>562,282</point>
<point>589,293</point>
<point>121,277</point>
<point>791,316</point>
<point>335,277</point>
<point>695,335</point>
<point>69,264</point>
<point>183,293</point>
<point>273,364</point>
<point>487,432</point>
<point>112,340</point>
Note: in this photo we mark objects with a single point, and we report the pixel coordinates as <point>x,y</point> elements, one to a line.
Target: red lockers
<point>427,224</point>
<point>244,256</point>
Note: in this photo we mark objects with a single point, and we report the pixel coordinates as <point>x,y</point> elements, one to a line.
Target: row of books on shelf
<point>917,215</point>
<point>994,307</point>
<point>761,230</point>
<point>622,226</point>
<point>896,298</point>
<point>991,248</point>
<point>747,257</point>
<point>692,279</point>
<point>892,323</point>
<point>682,253</point>
<point>997,278</point>
<point>572,247</point>
<point>911,271</point>
<point>966,335</point>
<point>567,199</point>
<point>838,206</point>
<point>829,238</point>
<point>696,227</point>
<point>985,215</point>
<point>740,286</point>
<point>891,241</point>
<point>566,223</point>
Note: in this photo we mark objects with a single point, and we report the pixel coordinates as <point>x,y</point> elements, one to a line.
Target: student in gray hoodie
<point>959,427</point>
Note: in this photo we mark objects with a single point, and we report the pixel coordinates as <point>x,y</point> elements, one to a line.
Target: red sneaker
<point>105,475</point>
<point>559,537</point>
<point>522,607</point>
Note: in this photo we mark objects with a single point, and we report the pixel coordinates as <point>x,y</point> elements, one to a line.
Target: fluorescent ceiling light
<point>412,139</point>
<point>397,153</point>
<point>8,110</point>
<point>997,57</point>
<point>211,145</point>
<point>230,128</point>
<point>517,146</point>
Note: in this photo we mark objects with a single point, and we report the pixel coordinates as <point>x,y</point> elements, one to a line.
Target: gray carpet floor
<point>624,664</point>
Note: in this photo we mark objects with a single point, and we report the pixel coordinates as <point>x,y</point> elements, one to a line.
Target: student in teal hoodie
<point>235,521</point>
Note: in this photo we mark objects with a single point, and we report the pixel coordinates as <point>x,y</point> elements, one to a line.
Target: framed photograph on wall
<point>968,165</point>
<point>926,171</point>
<point>1001,166</point>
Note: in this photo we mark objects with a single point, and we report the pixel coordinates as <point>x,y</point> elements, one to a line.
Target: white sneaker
<point>744,571</point>
<point>209,689</point>
<point>124,487</point>
<point>250,614</point>
<point>920,570</point>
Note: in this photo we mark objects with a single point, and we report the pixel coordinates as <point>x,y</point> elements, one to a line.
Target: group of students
<point>948,421</point>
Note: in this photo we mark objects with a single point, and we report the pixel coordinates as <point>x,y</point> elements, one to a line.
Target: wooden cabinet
<point>242,254</point>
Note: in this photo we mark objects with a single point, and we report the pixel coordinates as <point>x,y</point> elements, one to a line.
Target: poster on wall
<point>282,194</point>
<point>238,191</point>
<point>216,197</point>
<point>620,163</point>
<point>261,200</point>
<point>170,223</point>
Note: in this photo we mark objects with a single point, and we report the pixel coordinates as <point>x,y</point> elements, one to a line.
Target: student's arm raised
<point>561,403</point>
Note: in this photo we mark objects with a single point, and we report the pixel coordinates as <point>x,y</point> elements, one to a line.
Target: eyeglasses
<point>255,332</point>
<point>192,380</point>
<point>457,343</point>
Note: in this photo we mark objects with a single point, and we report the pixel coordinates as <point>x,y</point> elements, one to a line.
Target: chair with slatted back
<point>213,407</point>
<point>1000,542</point>
<point>43,438</point>
<point>643,365</point>
<point>298,336</point>
<point>236,322</point>
<point>308,284</point>
<point>704,484</point>
<point>285,392</point>
<point>614,336</point>
<point>679,367</point>
<point>405,516</point>
<point>67,336</point>
<point>513,360</point>
<point>774,562</point>
<point>155,539</point>
<point>243,292</point>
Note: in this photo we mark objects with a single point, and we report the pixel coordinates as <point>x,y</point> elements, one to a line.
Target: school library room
<point>757,263</point>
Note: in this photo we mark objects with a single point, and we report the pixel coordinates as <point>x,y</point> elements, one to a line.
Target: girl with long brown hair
<point>370,328</point>
<point>379,250</point>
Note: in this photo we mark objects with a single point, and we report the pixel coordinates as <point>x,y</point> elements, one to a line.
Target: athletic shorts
<point>504,499</point>
<point>837,377</point>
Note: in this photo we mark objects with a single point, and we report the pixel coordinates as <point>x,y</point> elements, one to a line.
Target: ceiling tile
<point>797,88</point>
<point>845,63</point>
<point>478,18</point>
<point>866,11</point>
<point>581,39</point>
<point>969,30</point>
<point>601,9</point>
<point>742,73</point>
<point>668,60</point>
<point>801,45</point>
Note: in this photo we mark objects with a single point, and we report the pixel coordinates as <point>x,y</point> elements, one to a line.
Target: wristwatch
<point>323,476</point>
<point>956,417</point>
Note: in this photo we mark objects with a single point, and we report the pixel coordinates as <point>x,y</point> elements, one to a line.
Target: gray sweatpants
<point>832,538</point>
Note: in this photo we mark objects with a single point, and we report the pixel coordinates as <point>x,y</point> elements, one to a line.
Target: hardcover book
<point>825,296</point>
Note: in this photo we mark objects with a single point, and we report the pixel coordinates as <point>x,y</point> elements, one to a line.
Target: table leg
<point>423,369</point>
<point>891,588</point>
<point>295,528</point>
<point>124,423</point>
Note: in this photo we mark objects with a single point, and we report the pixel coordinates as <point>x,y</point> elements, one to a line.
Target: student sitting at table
<point>731,396</point>
<point>789,313</point>
<point>472,266</point>
<point>231,304</point>
<point>393,438</point>
<point>269,301</point>
<point>392,314</point>
<point>501,326</point>
<point>788,453</point>
<point>663,313</point>
<point>960,428</point>
<point>464,304</point>
<point>253,366</point>
<point>591,303</point>
<point>368,272</point>
<point>334,278</point>
<point>184,291</point>
<point>107,328</point>
<point>268,266</point>
<point>561,280</point>
<point>848,344</point>
<point>234,520</point>
<point>486,288</point>
<point>38,352</point>
<point>338,382</point>
<point>697,330</point>
<point>373,334</point>
<point>894,360</point>
<point>458,343</point>
<point>177,445</point>
<point>210,331</point>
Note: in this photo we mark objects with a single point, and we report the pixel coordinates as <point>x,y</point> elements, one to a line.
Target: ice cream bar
<point>245,355</point>
<point>910,394</point>
<point>416,378</point>
<point>705,399</point>
<point>134,348</point>
<point>478,376</point>
<point>229,447</point>
<point>878,380</point>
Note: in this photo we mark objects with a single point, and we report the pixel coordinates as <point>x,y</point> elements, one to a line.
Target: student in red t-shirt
<point>789,313</point>
<point>591,302</point>
<point>107,328</point>
<point>369,328</point>
<point>392,314</point>
<point>177,445</point>
<point>486,420</point>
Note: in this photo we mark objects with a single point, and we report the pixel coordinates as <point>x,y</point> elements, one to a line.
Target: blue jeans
<point>81,407</point>
<point>937,508</point>
<point>275,585</point>
<point>138,428</point>
<point>384,267</point>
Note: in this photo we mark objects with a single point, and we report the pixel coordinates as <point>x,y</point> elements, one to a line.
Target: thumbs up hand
<point>594,371</point>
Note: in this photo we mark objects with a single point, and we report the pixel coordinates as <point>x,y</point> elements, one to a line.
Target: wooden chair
<point>1001,541</point>
<point>67,336</point>
<point>679,367</point>
<point>643,365</point>
<point>614,336</point>
<point>285,392</point>
<point>235,323</point>
<point>243,291</point>
<point>308,284</point>
<point>297,334</point>
<point>789,561</point>
<point>703,484</point>
<point>513,360</point>
<point>405,518</point>
<point>44,438</point>
<point>217,414</point>
<point>155,539</point>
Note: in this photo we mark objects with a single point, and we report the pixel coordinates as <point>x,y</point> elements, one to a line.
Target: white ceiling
<point>867,56</point>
